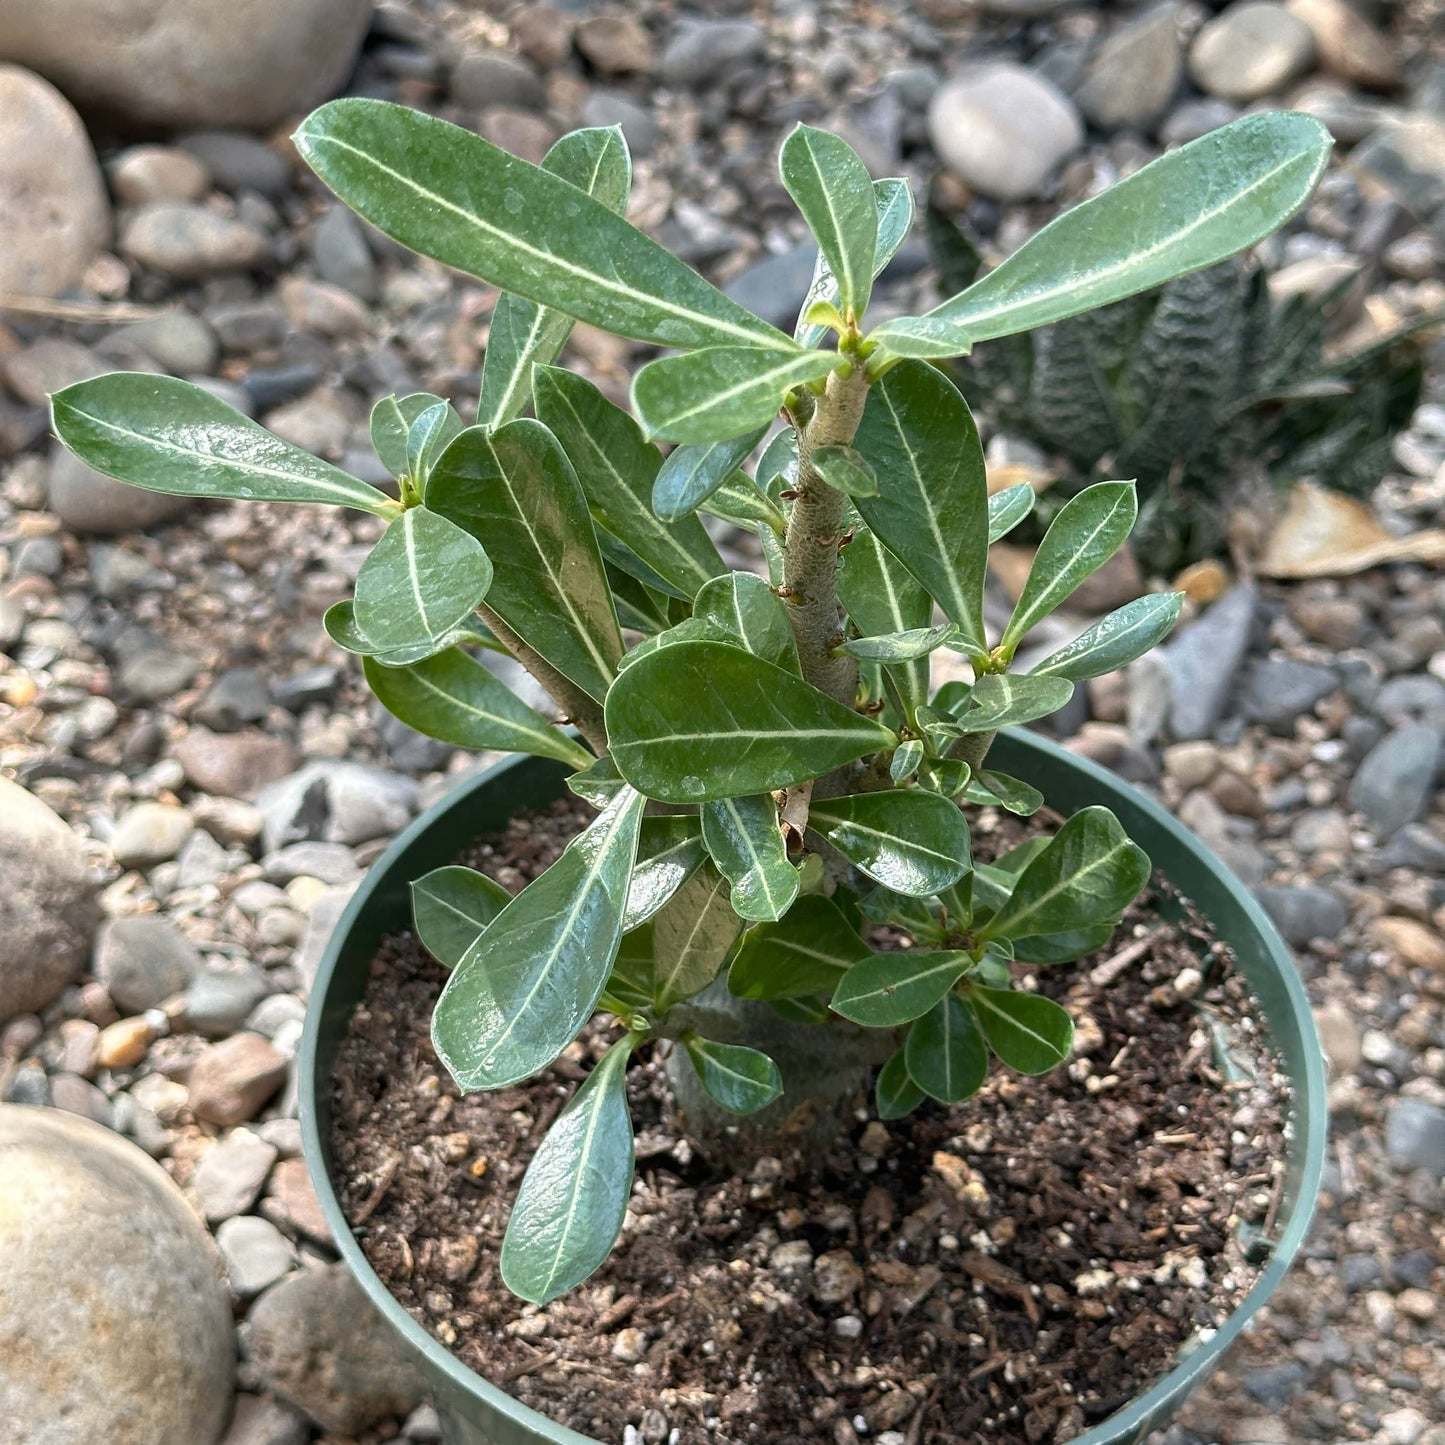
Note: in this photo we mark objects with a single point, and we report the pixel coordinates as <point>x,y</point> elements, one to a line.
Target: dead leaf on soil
<point>1324,534</point>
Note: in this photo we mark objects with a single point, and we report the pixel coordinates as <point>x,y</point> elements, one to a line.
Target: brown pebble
<point>124,1044</point>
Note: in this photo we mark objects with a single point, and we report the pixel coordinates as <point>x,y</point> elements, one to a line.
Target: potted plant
<point>772,773</point>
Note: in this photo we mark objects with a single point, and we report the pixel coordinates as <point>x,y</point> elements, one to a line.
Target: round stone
<point>143,960</point>
<point>1253,49</point>
<point>149,833</point>
<point>86,501</point>
<point>114,1321</point>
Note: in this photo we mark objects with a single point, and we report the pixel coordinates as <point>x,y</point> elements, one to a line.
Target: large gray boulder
<point>246,63</point>
<point>115,1324</point>
<point>48,912</point>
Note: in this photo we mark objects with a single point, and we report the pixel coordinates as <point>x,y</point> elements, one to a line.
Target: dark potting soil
<point>1008,1271</point>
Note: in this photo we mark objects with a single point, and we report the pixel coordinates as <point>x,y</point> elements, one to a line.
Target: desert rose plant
<point>774,776</point>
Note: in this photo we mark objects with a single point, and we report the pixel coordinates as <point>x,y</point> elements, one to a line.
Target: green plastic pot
<point>476,1412</point>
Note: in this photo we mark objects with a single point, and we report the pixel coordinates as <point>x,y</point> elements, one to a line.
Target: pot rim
<point>1305,1147</point>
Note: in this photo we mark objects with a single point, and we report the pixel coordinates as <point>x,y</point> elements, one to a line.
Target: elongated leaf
<point>1004,699</point>
<point>890,989</point>
<point>947,777</point>
<point>691,474</point>
<point>998,789</point>
<point>846,469</point>
<point>945,1054</point>
<point>598,781</point>
<point>883,598</point>
<point>339,620</point>
<point>424,578</point>
<point>573,1199</point>
<point>1089,871</point>
<point>450,195</point>
<point>669,851</point>
<point>168,435</point>
<point>742,1080</point>
<point>391,420</point>
<point>907,646</point>
<point>896,1094</point>
<point>639,606</point>
<point>704,720</point>
<point>716,394</point>
<point>531,981</point>
<point>1189,209</point>
<point>906,758</point>
<point>833,190</point>
<point>617,468</point>
<point>777,467</point>
<point>1116,640</point>
<point>428,436</point>
<point>932,508</point>
<point>522,333</point>
<point>1030,1033</point>
<point>691,937</point>
<point>516,488</point>
<point>739,501</point>
<point>630,982</point>
<point>912,841</point>
<point>746,843</point>
<point>454,698</point>
<point>803,954</point>
<point>451,908</point>
<point>744,607</point>
<point>1063,947</point>
<point>1006,509</point>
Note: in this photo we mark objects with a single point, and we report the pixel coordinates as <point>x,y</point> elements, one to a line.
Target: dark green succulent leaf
<point>881,597</point>
<point>777,468</point>
<point>747,844</point>
<point>809,1011</point>
<point>391,420</point>
<point>1006,509</point>
<point>630,982</point>
<point>956,257</point>
<point>906,646</point>
<point>906,758</point>
<point>597,781</point>
<point>896,1094</point>
<point>738,500</point>
<point>846,469</point>
<point>525,989</point>
<point>833,190</point>
<point>945,1054</point>
<point>339,620</point>
<point>1028,1032</point>
<point>169,435</point>
<point>639,607</point>
<point>1006,699</point>
<point>451,908</point>
<point>947,777</point>
<point>910,840</point>
<point>1115,640</point>
<point>1063,947</point>
<point>691,474</point>
<point>692,935</point>
<point>990,789</point>
<point>920,917</point>
<point>803,954</point>
<point>573,1199</point>
<point>743,607</point>
<point>891,989</point>
<point>669,851</point>
<point>428,436</point>
<point>742,1080</point>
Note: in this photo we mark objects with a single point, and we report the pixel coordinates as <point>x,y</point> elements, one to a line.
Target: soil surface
<point>1010,1270</point>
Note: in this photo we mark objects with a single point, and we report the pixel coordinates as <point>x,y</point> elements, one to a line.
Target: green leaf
<point>932,511</point>
<point>428,436</point>
<point>423,579</point>
<point>777,467</point>
<point>896,1094</point>
<point>744,607</point>
<point>1063,947</point>
<point>451,908</point>
<point>1005,699</point>
<point>906,646</point>
<point>531,981</point>
<point>453,697</point>
<point>639,606</point>
<point>1089,871</point>
<point>573,1199</point>
<point>906,758</point>
<point>882,598</point>
<point>597,781</point>
<point>803,954</point>
<point>912,841</point>
<point>522,333</point>
<point>630,982</point>
<point>1087,531</point>
<point>669,851</point>
<point>747,844</point>
<point>445,192</point>
<point>946,776</point>
<point>516,488</point>
<point>705,720</point>
<point>945,1054</point>
<point>742,1080</point>
<point>339,620</point>
<point>1030,1033</point>
<point>738,500</point>
<point>846,469</point>
<point>1006,509</point>
<point>833,190</point>
<point>999,790</point>
<point>890,989</point>
<point>714,394</point>
<point>168,435</point>
<point>1189,209</point>
<point>1116,640</point>
<point>691,937</point>
<point>617,468</point>
<point>391,420</point>
<point>691,474</point>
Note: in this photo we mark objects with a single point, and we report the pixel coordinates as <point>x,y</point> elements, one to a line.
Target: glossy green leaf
<point>1115,640</point>
<point>910,840</point>
<point>428,436</point>
<point>746,842</point>
<point>946,776</point>
<point>719,392</point>
<point>1063,947</point>
<point>423,579</point>
<point>451,908</point>
<point>777,467</point>
<point>573,1198</point>
<point>744,607</point>
<point>739,501</point>
<point>1028,1032</point>
<point>1190,208</point>
<point>391,420</point>
<point>895,1093</point>
<point>919,917</point>
<point>691,474</point>
<point>945,1054</point>
<point>669,851</point>
<point>339,620</point>
<point>597,780</point>
<point>998,789</point>
<point>906,758</point>
<point>742,1080</point>
<point>617,468</point>
<point>639,607</point>
<point>907,646</point>
<point>932,508</point>
<point>705,720</point>
<point>453,697</point>
<point>515,488</point>
<point>169,435</point>
<point>1087,531</point>
<point>1006,699</point>
<point>630,982</point>
<point>803,954</point>
<point>833,190</point>
<point>1089,871</point>
<point>527,986</point>
<point>691,937</point>
<point>522,333</point>
<point>1006,509</point>
<point>890,989</point>
<point>882,597</point>
<point>449,194</point>
<point>846,469</point>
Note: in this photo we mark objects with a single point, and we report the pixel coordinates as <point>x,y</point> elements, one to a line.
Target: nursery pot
<point>476,1412</point>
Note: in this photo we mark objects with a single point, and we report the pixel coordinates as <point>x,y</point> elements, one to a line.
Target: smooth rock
<point>1003,130</point>
<point>774,287</point>
<point>335,802</point>
<point>142,960</point>
<point>616,45</point>
<point>123,1044</point>
<point>230,1177</point>
<point>234,699</point>
<point>1347,44</point>
<point>158,173</point>
<point>54,214</point>
<point>1407,153</point>
<point>1202,660</point>
<point>484,78</point>
<point>317,1342</point>
<point>1340,1038</point>
<point>219,1000</point>
<point>114,1323</point>
<point>1255,48</point>
<point>248,63</point>
<point>1193,118</point>
<point>1415,1136</point>
<point>1304,911</point>
<point>240,162</point>
<point>233,765</point>
<point>149,671</point>
<point>1134,75</point>
<point>149,833</point>
<point>291,1203</point>
<point>188,242</point>
<point>178,341</point>
<point>332,863</point>
<point>1281,689</point>
<point>48,913</point>
<point>257,1254</point>
<point>230,1082</point>
<point>1394,784</point>
<point>341,254</point>
<point>259,1421</point>
<point>90,503</point>
<point>1411,942</point>
<point>604,107</point>
<point>323,308</point>
<point>703,53</point>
